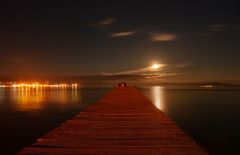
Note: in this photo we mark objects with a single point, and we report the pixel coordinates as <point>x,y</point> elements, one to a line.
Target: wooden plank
<point>122,122</point>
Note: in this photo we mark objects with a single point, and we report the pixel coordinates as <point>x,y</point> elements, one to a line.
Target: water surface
<point>27,114</point>
<point>210,116</point>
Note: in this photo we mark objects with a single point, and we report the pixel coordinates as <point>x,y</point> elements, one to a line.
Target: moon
<point>155,66</point>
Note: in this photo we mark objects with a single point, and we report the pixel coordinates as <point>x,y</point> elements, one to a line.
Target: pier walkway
<point>123,122</point>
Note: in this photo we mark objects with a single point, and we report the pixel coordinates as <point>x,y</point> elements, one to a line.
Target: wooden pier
<point>124,122</point>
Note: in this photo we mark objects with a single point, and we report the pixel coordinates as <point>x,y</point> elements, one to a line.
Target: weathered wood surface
<point>122,122</point>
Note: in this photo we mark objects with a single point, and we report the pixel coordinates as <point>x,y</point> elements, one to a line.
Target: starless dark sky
<point>93,37</point>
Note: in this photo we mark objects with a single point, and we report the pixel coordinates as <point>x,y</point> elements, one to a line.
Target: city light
<point>37,85</point>
<point>207,86</point>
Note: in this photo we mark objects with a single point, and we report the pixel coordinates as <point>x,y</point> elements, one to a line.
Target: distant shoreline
<point>112,80</point>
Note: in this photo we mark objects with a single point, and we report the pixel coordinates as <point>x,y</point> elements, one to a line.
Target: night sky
<point>196,40</point>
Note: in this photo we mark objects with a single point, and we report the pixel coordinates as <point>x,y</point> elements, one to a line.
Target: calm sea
<point>210,116</point>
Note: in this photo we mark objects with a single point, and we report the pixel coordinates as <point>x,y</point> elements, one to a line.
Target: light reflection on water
<point>157,97</point>
<point>28,113</point>
<point>1,93</point>
<point>209,116</point>
<point>26,99</point>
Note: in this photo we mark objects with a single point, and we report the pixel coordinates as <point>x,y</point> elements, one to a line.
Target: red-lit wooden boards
<point>122,122</point>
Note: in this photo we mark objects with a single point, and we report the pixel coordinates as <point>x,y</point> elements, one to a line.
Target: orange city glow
<point>39,85</point>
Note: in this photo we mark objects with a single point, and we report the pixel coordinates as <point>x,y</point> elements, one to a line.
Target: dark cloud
<point>123,34</point>
<point>107,21</point>
<point>162,37</point>
<point>217,27</point>
<point>103,23</point>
